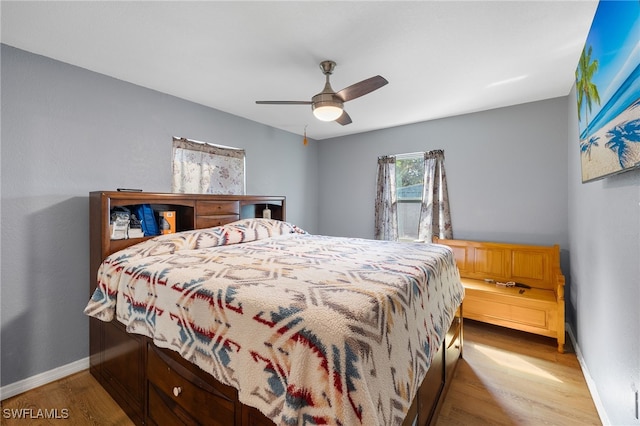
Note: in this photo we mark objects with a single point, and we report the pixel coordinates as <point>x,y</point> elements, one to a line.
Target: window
<point>409,186</point>
<point>412,201</point>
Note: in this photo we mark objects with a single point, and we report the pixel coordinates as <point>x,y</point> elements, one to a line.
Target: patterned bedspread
<point>310,329</point>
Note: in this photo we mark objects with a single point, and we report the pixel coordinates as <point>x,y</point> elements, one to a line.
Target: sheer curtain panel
<point>203,168</point>
<point>435,217</point>
<point>386,214</point>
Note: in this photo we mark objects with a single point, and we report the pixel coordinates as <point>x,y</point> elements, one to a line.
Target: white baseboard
<point>33,382</point>
<point>590,383</point>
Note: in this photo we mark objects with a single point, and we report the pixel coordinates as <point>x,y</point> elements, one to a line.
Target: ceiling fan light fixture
<point>327,112</point>
<point>327,105</point>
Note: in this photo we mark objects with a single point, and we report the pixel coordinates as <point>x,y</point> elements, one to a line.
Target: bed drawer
<point>216,213</point>
<point>218,220</point>
<point>209,208</point>
<point>431,388</point>
<point>176,392</point>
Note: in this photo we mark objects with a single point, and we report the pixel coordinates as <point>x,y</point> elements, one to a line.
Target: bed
<point>306,329</point>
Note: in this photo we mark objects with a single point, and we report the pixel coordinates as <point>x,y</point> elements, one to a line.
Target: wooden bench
<point>484,266</point>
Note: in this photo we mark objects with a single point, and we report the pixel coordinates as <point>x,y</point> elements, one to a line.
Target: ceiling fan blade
<point>344,119</point>
<point>362,88</point>
<point>284,102</point>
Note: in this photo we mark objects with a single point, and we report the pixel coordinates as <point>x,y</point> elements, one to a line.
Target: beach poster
<point>608,91</point>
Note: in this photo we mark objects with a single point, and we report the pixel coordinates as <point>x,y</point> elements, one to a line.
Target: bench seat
<point>538,309</point>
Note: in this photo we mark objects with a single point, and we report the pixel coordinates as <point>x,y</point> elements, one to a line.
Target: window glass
<point>409,183</point>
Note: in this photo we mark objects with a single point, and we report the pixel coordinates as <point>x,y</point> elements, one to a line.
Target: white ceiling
<point>442,58</point>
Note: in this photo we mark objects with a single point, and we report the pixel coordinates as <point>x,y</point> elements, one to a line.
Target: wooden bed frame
<point>157,386</point>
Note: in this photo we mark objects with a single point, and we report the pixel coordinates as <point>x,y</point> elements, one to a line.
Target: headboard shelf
<point>193,211</point>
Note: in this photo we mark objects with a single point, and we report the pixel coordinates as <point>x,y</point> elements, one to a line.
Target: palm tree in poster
<point>587,91</point>
<point>620,139</point>
<point>585,147</point>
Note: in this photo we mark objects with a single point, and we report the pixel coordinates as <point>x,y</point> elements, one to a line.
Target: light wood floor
<point>505,378</point>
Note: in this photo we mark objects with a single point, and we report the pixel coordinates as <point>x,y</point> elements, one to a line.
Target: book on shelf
<point>167,222</point>
<point>135,233</point>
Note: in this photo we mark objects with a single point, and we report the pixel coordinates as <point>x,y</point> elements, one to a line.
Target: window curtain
<point>435,217</point>
<point>386,215</point>
<point>203,168</point>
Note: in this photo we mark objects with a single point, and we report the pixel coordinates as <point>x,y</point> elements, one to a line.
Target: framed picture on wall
<point>608,91</point>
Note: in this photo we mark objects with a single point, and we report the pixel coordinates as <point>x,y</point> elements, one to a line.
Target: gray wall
<point>67,131</point>
<point>604,243</point>
<point>506,173</point>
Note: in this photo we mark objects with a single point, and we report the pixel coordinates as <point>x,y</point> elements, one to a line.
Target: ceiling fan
<point>328,104</point>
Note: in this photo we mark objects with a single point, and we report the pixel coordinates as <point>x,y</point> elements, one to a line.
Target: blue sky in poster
<point>615,40</point>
